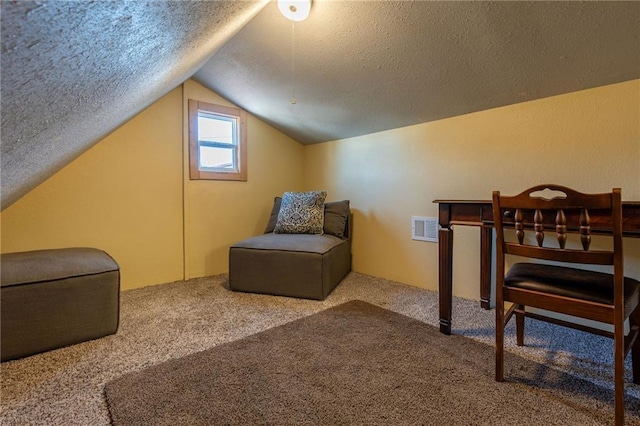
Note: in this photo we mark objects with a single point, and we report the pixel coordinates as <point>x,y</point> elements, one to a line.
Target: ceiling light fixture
<point>296,10</point>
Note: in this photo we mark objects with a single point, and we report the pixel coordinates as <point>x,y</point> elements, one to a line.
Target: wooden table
<point>480,213</point>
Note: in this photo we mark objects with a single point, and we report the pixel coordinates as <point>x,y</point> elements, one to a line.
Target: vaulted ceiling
<point>72,72</point>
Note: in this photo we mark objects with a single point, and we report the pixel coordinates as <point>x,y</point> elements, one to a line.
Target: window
<point>217,142</point>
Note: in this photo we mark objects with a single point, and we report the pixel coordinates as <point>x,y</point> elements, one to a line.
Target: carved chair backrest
<point>560,210</point>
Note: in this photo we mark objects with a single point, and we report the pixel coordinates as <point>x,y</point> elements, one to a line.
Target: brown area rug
<point>356,364</point>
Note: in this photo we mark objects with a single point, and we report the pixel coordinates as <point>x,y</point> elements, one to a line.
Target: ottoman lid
<point>54,264</point>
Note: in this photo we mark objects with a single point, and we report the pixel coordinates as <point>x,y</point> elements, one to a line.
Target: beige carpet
<point>161,323</point>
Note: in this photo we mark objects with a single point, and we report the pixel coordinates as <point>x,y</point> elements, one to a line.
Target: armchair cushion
<point>301,213</point>
<point>273,219</point>
<point>307,243</point>
<point>336,216</point>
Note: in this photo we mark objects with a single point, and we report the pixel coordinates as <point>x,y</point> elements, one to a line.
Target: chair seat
<point>306,243</point>
<point>570,282</point>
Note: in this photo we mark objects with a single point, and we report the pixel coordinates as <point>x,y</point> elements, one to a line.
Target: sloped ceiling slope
<point>72,72</point>
<point>363,67</point>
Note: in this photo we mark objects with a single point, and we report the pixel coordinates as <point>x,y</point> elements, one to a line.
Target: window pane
<point>215,128</point>
<point>214,157</point>
<point>217,142</point>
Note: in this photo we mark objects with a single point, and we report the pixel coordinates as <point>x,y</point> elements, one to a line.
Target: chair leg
<point>634,321</point>
<point>520,325</point>
<point>618,356</point>
<point>499,341</point>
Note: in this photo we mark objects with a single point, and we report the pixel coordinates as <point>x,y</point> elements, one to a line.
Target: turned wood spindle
<point>585,229</point>
<point>561,228</point>
<point>519,226</point>
<point>538,227</point>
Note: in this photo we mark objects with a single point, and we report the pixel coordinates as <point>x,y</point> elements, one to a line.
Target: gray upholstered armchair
<point>300,265</point>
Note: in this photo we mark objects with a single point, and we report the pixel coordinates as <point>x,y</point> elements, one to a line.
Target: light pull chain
<point>293,68</point>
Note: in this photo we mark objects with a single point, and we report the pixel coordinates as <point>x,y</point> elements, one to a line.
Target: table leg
<point>445,259</point>
<point>486,235</point>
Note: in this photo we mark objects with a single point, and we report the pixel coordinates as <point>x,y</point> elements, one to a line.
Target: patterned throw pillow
<point>301,213</point>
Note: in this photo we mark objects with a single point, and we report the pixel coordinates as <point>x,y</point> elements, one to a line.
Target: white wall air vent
<point>424,228</point>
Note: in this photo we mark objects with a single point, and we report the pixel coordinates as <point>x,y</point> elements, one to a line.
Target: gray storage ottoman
<point>295,265</point>
<point>54,298</point>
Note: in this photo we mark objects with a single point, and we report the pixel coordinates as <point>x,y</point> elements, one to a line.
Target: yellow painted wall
<point>588,140</point>
<point>123,195</point>
<point>220,213</point>
<point>129,193</point>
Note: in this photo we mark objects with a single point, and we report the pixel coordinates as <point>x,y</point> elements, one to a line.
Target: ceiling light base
<point>296,10</point>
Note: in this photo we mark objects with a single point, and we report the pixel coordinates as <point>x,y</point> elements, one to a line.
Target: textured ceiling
<point>72,72</point>
<point>362,67</point>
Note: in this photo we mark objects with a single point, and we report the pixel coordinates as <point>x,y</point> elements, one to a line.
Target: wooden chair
<point>607,297</point>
